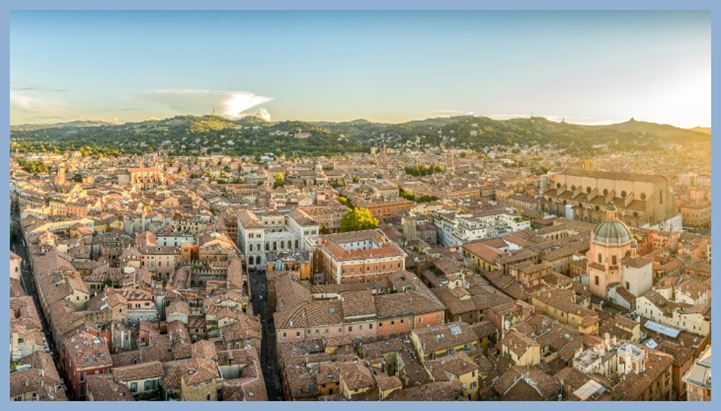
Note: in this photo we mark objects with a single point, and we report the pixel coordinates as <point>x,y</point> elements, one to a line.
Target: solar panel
<point>588,389</point>
<point>455,330</point>
<point>662,329</point>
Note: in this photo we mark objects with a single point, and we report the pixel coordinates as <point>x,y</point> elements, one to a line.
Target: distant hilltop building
<point>641,200</point>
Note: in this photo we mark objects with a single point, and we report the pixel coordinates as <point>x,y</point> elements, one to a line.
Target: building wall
<point>637,280</point>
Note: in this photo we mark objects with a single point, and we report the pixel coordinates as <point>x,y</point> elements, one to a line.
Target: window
<point>134,387</point>
<point>614,260</point>
<point>82,377</point>
<point>596,280</point>
<point>350,328</point>
<point>600,258</point>
<point>628,286</point>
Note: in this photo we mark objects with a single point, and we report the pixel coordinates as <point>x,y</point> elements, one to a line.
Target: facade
<point>16,264</point>
<point>260,233</point>
<point>641,200</point>
<point>358,256</point>
<point>696,214</point>
<point>143,178</point>
<point>695,319</point>
<point>84,354</point>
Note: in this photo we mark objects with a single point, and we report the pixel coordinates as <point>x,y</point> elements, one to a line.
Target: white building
<point>273,231</point>
<point>695,319</point>
<point>456,228</point>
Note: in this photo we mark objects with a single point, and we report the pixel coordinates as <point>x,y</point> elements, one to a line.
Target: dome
<point>612,230</point>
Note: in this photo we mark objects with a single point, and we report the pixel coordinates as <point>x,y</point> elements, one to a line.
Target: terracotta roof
<point>142,371</point>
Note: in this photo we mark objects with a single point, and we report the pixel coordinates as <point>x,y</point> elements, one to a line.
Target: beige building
<point>642,200</point>
<point>15,265</point>
<point>698,378</point>
<point>696,214</point>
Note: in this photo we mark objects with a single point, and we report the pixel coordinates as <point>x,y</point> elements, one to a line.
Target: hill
<point>193,135</point>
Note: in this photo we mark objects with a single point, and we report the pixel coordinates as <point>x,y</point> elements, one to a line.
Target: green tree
<point>278,180</point>
<point>357,219</point>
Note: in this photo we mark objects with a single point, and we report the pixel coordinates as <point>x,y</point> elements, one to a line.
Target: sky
<point>583,67</point>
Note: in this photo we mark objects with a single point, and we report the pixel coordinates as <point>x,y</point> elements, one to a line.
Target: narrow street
<point>268,354</point>
<point>18,246</point>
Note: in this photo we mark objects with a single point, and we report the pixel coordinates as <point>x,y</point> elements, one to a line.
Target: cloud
<point>28,109</point>
<point>231,103</point>
<point>447,113</point>
<point>27,104</point>
<point>36,87</point>
<point>583,120</point>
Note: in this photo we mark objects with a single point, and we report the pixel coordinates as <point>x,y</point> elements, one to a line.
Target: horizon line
<point>496,117</point>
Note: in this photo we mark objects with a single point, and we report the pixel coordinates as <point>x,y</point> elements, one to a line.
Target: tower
<point>60,177</point>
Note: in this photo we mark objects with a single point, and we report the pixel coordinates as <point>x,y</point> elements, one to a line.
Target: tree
<point>357,219</point>
<point>278,180</point>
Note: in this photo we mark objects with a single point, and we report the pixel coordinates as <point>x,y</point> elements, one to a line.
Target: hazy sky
<point>586,67</point>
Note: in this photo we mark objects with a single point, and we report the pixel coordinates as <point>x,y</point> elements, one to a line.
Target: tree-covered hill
<point>190,135</point>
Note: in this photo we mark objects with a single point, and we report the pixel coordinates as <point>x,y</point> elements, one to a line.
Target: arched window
<point>558,185</point>
<point>588,189</point>
<point>605,192</point>
<point>623,194</point>
<point>643,196</point>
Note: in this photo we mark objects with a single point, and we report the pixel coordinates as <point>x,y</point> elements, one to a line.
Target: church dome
<point>612,230</point>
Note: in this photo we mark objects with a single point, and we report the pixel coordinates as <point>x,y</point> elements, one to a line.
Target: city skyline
<point>584,67</point>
